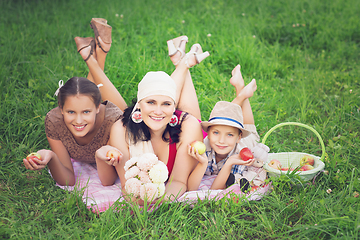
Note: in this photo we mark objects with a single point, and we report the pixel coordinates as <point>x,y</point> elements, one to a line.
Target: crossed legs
<point>243,94</point>
<point>96,63</point>
<point>186,98</point>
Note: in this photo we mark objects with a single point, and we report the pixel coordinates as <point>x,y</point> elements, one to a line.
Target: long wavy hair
<point>141,132</point>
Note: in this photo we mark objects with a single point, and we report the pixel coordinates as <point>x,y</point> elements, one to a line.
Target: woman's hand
<point>111,155</point>
<point>195,154</point>
<point>35,164</point>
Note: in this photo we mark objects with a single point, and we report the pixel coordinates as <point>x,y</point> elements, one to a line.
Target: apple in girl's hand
<point>246,154</point>
<point>307,160</point>
<point>306,167</point>
<point>199,146</point>
<point>33,156</point>
<point>275,164</point>
<point>113,153</point>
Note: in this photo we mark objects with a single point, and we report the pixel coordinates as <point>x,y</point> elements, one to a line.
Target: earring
<point>174,121</point>
<point>136,117</point>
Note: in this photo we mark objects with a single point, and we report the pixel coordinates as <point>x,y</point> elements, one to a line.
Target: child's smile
<point>223,139</point>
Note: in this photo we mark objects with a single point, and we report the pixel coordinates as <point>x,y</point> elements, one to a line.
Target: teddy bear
<point>254,175</point>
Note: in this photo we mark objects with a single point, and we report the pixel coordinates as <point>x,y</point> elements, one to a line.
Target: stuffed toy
<point>254,174</point>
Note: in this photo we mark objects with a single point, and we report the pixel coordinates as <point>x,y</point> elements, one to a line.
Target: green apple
<point>307,160</point>
<point>198,146</point>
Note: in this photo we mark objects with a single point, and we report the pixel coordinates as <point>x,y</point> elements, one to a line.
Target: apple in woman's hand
<point>198,146</point>
<point>33,156</point>
<point>113,154</point>
<point>246,154</point>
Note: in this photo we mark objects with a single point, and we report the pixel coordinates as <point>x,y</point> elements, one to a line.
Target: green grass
<point>303,54</point>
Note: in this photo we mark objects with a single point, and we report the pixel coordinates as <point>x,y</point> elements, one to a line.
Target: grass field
<point>304,55</point>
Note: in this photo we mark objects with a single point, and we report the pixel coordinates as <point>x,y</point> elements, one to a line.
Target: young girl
<point>229,129</point>
<point>81,123</point>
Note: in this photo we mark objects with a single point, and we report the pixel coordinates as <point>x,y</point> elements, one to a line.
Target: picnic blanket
<point>99,198</point>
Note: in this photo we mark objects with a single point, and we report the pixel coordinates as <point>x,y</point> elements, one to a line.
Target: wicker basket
<point>292,159</point>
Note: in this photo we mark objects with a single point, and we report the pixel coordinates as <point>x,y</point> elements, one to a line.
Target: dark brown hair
<point>141,132</point>
<point>79,85</point>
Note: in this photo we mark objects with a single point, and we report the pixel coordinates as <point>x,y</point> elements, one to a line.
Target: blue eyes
<point>165,103</point>
<point>229,134</point>
<point>85,112</point>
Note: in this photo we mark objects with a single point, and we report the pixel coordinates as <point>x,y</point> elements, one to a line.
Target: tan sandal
<point>101,29</point>
<point>82,43</point>
<point>174,45</point>
<point>199,54</point>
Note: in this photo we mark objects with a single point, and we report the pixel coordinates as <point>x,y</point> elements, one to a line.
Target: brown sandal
<point>101,29</point>
<point>82,43</point>
<point>100,20</point>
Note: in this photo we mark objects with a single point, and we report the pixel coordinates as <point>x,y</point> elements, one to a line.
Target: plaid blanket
<point>99,198</point>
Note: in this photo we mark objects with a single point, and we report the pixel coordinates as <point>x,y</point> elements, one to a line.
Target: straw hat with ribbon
<point>228,114</point>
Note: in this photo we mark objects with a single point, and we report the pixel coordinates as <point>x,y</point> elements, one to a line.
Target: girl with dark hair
<point>81,123</point>
<point>154,125</point>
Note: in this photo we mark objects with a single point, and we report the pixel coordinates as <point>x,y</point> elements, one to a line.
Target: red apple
<point>199,146</point>
<point>246,154</point>
<point>275,164</point>
<point>34,156</point>
<point>307,160</point>
<point>113,153</point>
<point>306,168</point>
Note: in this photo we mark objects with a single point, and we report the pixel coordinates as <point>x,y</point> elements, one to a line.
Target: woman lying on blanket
<point>161,129</point>
<point>81,123</point>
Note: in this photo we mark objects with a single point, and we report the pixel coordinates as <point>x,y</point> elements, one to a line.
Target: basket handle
<point>301,125</point>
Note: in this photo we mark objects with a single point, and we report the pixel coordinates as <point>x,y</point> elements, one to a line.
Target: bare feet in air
<point>248,90</point>
<point>237,80</point>
<point>245,93</point>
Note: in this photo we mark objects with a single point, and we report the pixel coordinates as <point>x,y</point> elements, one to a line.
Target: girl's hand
<point>34,164</point>
<point>236,160</point>
<point>111,155</point>
<point>195,154</point>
